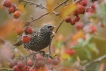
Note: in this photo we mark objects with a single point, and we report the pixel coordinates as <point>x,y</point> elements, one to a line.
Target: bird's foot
<point>45,55</point>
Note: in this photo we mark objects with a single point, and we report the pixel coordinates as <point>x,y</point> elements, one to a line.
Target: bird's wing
<point>18,43</point>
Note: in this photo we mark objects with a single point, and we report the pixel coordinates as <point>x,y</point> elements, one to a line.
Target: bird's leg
<point>49,49</point>
<point>53,34</point>
<point>42,53</point>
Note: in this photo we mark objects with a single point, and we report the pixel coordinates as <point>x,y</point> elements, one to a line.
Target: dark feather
<point>18,43</point>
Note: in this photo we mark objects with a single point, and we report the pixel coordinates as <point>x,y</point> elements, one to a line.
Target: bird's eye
<point>49,26</point>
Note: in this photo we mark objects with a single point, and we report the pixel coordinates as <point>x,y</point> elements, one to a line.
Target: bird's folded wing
<point>18,43</point>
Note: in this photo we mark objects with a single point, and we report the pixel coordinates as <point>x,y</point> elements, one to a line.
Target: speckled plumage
<point>40,38</point>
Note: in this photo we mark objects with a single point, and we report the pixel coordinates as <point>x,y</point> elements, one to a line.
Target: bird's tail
<point>18,43</point>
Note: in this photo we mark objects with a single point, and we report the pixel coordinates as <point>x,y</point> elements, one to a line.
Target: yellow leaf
<point>21,8</point>
<point>78,35</point>
<point>50,5</point>
<point>67,10</point>
<point>65,56</point>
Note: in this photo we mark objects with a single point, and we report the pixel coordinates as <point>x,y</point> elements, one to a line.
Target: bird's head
<point>48,27</point>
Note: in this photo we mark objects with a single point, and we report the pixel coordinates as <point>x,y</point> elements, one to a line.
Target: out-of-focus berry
<point>7,3</point>
<point>28,30</point>
<point>67,19</point>
<point>16,14</point>
<point>55,61</point>
<point>19,30</point>
<point>30,63</point>
<point>20,64</point>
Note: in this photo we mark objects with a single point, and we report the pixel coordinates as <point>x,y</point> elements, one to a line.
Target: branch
<point>61,4</point>
<point>53,35</point>
<point>94,61</point>
<point>6,69</point>
<point>37,5</point>
<point>40,6</point>
<point>59,26</point>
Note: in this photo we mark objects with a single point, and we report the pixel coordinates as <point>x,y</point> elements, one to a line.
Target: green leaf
<point>85,44</point>
<point>87,53</point>
<point>88,38</point>
<point>93,47</point>
<point>80,41</point>
<point>76,46</point>
<point>58,44</point>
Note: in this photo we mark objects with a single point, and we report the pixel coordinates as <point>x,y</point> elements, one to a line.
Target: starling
<point>40,38</point>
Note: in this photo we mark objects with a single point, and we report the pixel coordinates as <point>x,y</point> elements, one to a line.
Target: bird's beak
<point>52,28</point>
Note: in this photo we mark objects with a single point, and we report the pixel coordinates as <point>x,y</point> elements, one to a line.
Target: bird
<point>40,38</point>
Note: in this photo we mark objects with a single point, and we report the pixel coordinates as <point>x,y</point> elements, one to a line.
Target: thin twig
<point>59,26</point>
<point>53,35</point>
<point>61,4</point>
<point>40,5</point>
<point>94,61</point>
<point>6,69</point>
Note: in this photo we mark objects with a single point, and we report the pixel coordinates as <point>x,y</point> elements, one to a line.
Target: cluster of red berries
<point>91,9</point>
<point>81,6</point>
<point>11,9</point>
<point>28,31</point>
<point>28,65</point>
<point>90,29</point>
<point>26,38</point>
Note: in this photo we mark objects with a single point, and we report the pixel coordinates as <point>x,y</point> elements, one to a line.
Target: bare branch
<point>94,61</point>
<point>61,4</point>
<point>6,69</point>
<point>59,26</point>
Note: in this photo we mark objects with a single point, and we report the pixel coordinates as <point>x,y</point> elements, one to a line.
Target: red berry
<point>75,13</point>
<point>70,52</point>
<point>31,69</point>
<point>25,38</point>
<point>72,22</point>
<point>16,68</point>
<point>39,57</point>
<point>30,63</point>
<point>76,19</point>
<point>7,3</point>
<point>11,9</point>
<point>79,25</point>
<point>20,64</point>
<point>49,61</point>
<point>25,68</point>
<point>16,14</point>
<point>93,29</point>
<point>90,10</point>
<point>10,65</point>
<point>40,64</point>
<point>67,19</point>
<point>28,30</point>
<point>80,9</point>
<point>55,61</point>
<point>16,21</point>
<point>19,30</point>
<point>93,6</point>
<point>83,2</point>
